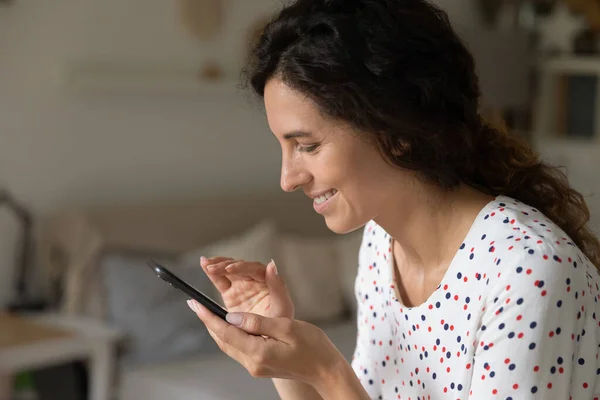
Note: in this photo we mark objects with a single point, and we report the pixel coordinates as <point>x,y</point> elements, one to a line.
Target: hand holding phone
<point>178,283</point>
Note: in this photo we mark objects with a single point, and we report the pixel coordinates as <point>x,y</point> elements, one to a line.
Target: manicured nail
<point>274,267</point>
<point>191,305</point>
<point>234,318</point>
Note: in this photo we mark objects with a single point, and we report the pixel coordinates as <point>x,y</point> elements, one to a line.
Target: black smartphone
<point>178,283</point>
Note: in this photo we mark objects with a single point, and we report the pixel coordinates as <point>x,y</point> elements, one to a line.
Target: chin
<point>343,226</point>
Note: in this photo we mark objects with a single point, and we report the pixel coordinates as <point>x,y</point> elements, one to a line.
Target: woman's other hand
<point>249,287</point>
<point>274,347</point>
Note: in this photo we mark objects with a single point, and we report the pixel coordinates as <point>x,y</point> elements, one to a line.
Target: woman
<point>476,272</point>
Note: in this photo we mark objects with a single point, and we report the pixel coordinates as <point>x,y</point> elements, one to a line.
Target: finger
<point>205,262</point>
<point>280,329</point>
<point>222,283</point>
<point>227,333</point>
<point>220,266</point>
<point>225,348</point>
<point>282,304</point>
<point>255,270</point>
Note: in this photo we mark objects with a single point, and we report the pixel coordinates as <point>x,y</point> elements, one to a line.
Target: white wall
<point>56,147</point>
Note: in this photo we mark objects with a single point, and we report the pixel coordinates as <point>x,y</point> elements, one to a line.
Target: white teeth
<point>323,198</point>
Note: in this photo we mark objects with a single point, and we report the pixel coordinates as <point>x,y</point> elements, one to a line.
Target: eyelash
<point>308,149</point>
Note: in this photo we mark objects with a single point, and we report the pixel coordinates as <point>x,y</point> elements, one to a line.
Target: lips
<point>324,197</point>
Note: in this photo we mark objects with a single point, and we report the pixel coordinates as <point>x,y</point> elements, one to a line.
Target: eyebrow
<point>296,134</point>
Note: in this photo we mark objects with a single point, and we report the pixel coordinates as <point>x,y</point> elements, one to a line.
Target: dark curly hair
<point>397,70</point>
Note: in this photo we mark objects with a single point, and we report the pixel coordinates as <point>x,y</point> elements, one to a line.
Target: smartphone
<point>178,283</point>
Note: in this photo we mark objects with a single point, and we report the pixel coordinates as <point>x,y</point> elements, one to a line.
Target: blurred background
<point>123,136</point>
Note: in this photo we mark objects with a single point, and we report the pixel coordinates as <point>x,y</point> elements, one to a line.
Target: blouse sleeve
<point>362,362</point>
<point>537,339</point>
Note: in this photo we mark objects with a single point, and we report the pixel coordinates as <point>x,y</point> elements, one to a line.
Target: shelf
<point>572,65</point>
<point>146,81</point>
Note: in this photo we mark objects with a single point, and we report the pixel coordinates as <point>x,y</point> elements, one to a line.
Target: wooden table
<point>34,341</point>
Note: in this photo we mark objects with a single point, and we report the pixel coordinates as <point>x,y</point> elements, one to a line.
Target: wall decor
<point>557,31</point>
<point>202,18</point>
<point>590,9</point>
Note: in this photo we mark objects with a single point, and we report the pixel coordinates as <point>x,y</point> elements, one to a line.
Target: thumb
<point>281,305</point>
<point>258,325</point>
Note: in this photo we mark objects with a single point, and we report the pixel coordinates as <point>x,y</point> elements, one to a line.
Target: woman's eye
<point>308,149</point>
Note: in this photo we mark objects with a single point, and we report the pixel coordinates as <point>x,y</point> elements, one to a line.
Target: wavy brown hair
<point>397,70</point>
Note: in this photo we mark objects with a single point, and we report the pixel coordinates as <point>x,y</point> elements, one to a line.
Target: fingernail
<point>202,259</point>
<point>196,307</point>
<point>274,267</point>
<point>234,318</point>
<point>191,305</point>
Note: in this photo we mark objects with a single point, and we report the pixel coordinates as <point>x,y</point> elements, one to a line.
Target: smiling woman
<point>476,271</point>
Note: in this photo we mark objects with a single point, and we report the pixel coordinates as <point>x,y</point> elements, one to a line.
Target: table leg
<point>101,372</point>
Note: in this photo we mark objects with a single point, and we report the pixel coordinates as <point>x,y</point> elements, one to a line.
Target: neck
<point>429,229</point>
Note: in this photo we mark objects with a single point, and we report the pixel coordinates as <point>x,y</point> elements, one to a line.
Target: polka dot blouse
<point>513,318</point>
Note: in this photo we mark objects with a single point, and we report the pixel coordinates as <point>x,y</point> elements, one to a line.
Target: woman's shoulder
<point>510,226</point>
<point>536,253</point>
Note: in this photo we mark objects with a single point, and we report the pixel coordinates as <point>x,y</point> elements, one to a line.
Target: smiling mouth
<point>323,198</point>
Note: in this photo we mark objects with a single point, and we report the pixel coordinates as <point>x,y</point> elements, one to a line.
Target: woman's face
<point>344,174</point>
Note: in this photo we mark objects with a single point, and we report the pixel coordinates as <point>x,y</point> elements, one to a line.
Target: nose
<point>292,177</point>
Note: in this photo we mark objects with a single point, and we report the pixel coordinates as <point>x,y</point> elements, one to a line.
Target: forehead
<point>288,109</point>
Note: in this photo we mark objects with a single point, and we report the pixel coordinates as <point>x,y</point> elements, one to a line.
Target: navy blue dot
<point>467,300</point>
<point>534,389</point>
<point>520,301</point>
<point>581,361</point>
<point>531,346</point>
<point>533,325</point>
<point>512,367</point>
<point>559,360</point>
<point>462,246</point>
<point>519,270</point>
<point>501,326</point>
<point>437,304</point>
<point>459,275</point>
<point>471,256</point>
<point>511,335</point>
<point>434,375</point>
<point>559,303</point>
<point>448,295</point>
<point>530,251</point>
<point>459,387</point>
